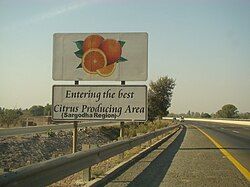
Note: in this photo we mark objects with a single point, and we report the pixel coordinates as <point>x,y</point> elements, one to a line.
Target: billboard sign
<point>98,102</point>
<point>100,56</point>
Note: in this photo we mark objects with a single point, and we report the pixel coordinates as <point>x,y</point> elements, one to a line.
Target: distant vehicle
<point>181,119</point>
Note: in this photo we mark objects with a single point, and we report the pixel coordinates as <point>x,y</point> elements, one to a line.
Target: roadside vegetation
<point>159,97</point>
<point>134,129</point>
<point>159,100</point>
<point>10,117</point>
<point>18,117</point>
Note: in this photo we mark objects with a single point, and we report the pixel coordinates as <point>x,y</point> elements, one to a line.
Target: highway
<point>55,127</point>
<point>201,154</point>
<point>234,138</point>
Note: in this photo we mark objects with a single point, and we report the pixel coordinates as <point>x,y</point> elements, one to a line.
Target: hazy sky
<point>203,44</point>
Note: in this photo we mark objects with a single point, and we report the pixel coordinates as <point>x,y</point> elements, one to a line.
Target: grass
<point>133,129</point>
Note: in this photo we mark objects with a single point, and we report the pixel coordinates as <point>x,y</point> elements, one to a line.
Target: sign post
<point>74,141</point>
<point>122,122</point>
<point>122,127</point>
<point>74,137</point>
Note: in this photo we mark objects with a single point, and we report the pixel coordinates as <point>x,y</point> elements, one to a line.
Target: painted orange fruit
<point>112,49</point>
<point>92,41</point>
<point>107,70</point>
<point>93,60</point>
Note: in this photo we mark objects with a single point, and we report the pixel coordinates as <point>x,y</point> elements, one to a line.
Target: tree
<point>1,110</point>
<point>47,110</point>
<point>244,115</point>
<point>159,97</point>
<point>37,110</point>
<point>9,116</point>
<point>228,111</point>
<point>197,115</point>
<point>188,114</point>
<point>205,115</point>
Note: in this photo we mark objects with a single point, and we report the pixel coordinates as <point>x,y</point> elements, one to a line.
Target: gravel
<point>19,151</point>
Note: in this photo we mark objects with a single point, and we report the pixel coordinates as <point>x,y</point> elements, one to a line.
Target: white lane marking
<point>236,131</point>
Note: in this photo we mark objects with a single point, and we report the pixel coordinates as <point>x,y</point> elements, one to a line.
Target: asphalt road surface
<point>190,158</point>
<point>45,128</point>
<point>234,138</point>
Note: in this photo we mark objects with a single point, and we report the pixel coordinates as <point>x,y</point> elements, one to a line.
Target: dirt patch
<point>19,151</point>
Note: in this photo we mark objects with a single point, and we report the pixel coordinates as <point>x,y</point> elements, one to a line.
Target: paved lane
<point>234,138</point>
<point>190,160</point>
<point>45,128</point>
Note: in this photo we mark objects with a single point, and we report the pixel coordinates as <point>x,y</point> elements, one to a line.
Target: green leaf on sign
<point>122,43</point>
<point>79,53</point>
<point>79,66</point>
<point>79,44</point>
<point>121,59</point>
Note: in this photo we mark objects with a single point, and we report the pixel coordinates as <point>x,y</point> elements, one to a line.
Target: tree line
<point>227,111</point>
<point>160,94</point>
<point>15,116</point>
<point>9,116</point>
<point>159,100</point>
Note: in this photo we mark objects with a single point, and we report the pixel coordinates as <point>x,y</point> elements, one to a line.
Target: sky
<point>203,44</point>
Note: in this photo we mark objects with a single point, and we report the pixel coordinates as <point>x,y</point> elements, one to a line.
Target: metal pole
<point>122,127</point>
<point>121,130</point>
<point>122,122</point>
<point>74,137</point>
<point>75,131</point>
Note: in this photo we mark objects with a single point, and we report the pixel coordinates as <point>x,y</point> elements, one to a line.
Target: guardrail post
<point>162,136</point>
<point>121,137</point>
<point>141,145</point>
<point>86,173</point>
<point>150,142</point>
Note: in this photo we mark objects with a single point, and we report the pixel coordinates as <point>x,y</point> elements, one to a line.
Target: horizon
<point>204,46</point>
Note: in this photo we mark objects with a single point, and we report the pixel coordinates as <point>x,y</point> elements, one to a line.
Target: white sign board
<point>97,102</point>
<point>100,56</point>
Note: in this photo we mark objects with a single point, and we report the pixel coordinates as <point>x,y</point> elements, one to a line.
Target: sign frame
<point>108,120</point>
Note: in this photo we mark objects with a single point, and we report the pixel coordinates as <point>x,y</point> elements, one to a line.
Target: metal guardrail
<point>46,128</point>
<point>48,172</point>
